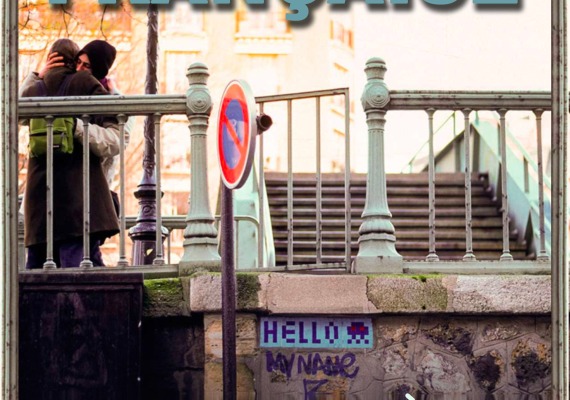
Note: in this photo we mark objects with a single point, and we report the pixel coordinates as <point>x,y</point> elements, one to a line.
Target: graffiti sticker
<point>340,333</point>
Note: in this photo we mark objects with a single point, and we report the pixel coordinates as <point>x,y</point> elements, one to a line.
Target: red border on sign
<point>233,177</point>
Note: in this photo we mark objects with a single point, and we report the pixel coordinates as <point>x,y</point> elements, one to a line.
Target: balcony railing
<point>377,237</point>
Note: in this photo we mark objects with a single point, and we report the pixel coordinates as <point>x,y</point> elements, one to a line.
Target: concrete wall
<point>434,337</point>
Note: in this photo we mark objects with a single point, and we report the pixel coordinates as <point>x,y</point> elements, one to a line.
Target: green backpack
<point>63,128</point>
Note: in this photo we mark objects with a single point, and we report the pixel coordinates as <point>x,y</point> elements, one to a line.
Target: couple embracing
<point>71,71</point>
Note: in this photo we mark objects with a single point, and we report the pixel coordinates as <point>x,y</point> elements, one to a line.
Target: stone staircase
<point>408,202</point>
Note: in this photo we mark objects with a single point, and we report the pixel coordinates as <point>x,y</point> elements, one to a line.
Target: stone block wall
<point>429,357</point>
<point>437,337</point>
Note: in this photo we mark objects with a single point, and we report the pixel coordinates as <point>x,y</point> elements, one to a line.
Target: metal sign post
<point>228,296</point>
<point>237,128</point>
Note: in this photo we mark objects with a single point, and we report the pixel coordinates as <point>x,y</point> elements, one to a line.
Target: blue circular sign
<point>236,133</point>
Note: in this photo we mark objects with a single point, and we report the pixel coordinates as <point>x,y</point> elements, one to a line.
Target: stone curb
<point>279,293</point>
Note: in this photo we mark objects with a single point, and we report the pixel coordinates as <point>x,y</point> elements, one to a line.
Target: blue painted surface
<point>316,333</point>
<point>234,121</point>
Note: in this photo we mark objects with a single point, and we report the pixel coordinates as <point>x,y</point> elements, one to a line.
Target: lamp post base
<point>377,255</point>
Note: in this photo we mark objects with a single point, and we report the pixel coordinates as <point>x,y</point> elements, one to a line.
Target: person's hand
<point>53,60</point>
<point>112,84</point>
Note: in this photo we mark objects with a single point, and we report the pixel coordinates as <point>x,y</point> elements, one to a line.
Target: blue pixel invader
<point>357,332</point>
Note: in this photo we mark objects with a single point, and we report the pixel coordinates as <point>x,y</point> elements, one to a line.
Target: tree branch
<point>101,22</point>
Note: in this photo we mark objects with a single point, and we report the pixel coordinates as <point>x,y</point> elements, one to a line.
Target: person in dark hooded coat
<point>97,57</point>
<point>68,180</point>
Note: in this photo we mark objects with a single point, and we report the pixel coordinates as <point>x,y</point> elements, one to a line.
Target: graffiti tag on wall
<point>337,333</point>
<point>311,364</point>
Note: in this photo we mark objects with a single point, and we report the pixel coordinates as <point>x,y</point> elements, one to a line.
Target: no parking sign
<point>237,129</point>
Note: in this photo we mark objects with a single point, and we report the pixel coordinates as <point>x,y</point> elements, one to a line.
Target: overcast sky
<point>465,48</point>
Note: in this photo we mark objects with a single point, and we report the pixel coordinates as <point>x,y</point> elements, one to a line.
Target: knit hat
<point>66,48</point>
<point>101,57</point>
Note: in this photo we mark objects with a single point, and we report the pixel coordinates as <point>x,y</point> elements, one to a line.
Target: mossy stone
<point>164,298</point>
<point>248,287</point>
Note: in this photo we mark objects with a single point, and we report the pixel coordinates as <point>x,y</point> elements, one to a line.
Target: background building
<point>241,43</point>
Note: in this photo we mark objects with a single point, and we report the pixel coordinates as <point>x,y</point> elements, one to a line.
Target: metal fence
<point>469,104</point>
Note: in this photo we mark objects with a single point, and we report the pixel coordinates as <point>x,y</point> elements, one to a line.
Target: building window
<point>262,32</point>
<point>340,33</point>
<point>182,18</point>
<point>261,23</point>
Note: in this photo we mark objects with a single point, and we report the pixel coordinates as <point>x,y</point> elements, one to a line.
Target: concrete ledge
<point>278,293</point>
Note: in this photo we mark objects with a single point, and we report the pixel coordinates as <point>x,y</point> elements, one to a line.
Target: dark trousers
<point>66,254</point>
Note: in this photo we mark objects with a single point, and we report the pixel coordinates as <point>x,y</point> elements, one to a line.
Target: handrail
<point>513,140</point>
<point>102,105</point>
<point>301,95</point>
<point>165,104</point>
<point>476,100</point>
<point>399,100</point>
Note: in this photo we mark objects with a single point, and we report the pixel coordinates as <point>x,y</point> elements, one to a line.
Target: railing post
<point>49,262</point>
<point>469,256</point>
<point>8,204</point>
<point>200,236</point>
<point>559,262</point>
<point>86,262</point>
<point>506,256</point>
<point>377,251</point>
<point>432,255</point>
<point>542,254</point>
<point>123,262</point>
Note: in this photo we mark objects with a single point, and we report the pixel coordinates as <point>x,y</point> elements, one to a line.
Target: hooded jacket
<point>68,177</point>
<point>101,57</point>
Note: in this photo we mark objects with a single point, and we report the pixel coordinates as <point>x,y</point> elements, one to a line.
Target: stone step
<point>360,191</point>
<point>281,212</point>
<point>408,199</point>
<point>309,179</point>
<point>357,202</point>
<point>444,245</point>
<point>399,223</point>
<point>411,234</point>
